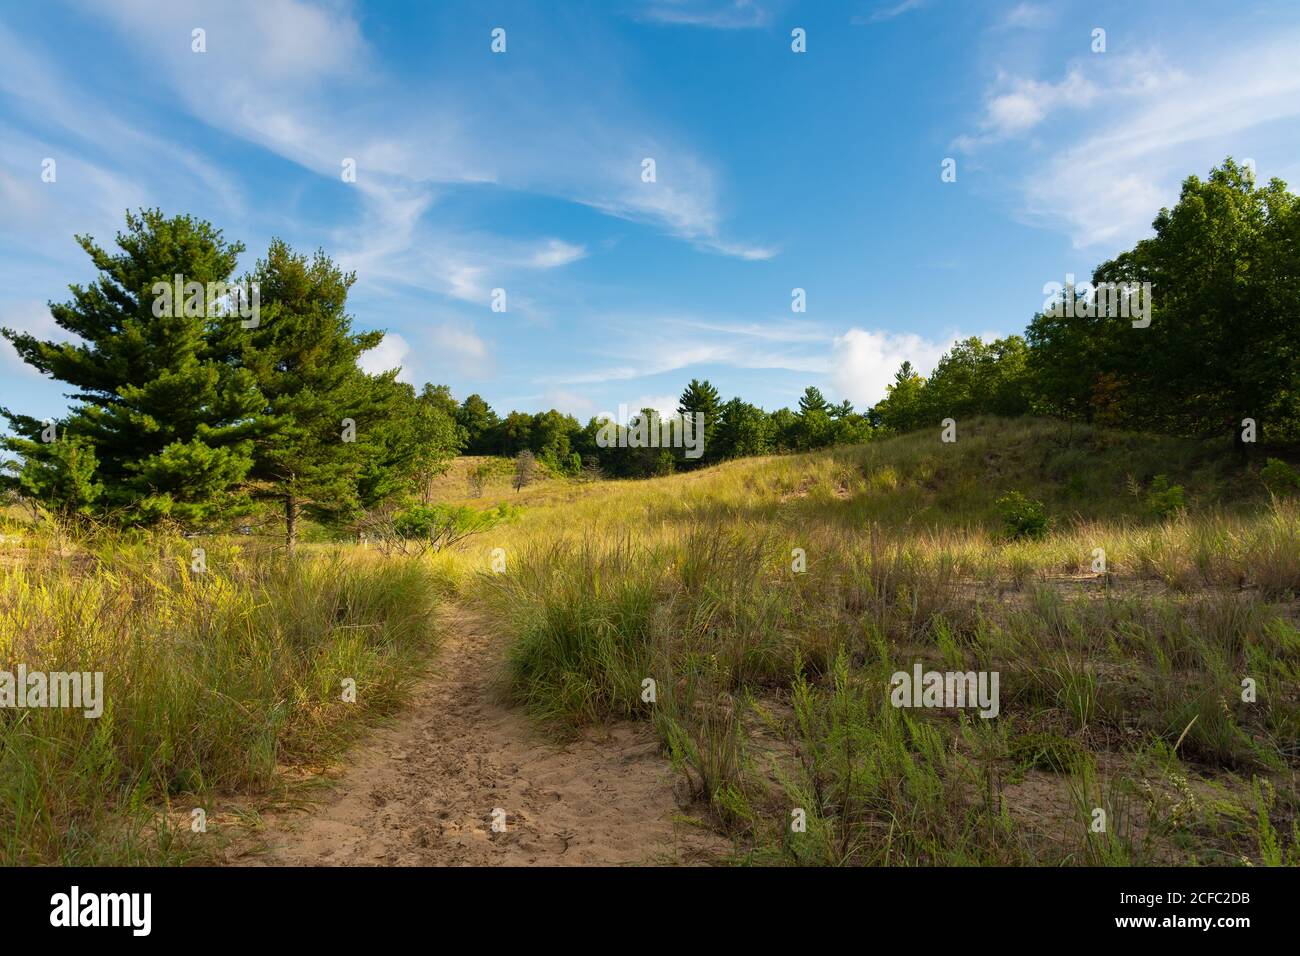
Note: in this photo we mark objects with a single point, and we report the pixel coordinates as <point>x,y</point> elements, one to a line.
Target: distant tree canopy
<point>972,378</point>
<point>187,412</point>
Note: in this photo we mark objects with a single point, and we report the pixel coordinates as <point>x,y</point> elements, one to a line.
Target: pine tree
<point>323,439</point>
<point>703,398</point>
<point>813,400</point>
<point>165,417</point>
<point>814,419</point>
<point>59,474</point>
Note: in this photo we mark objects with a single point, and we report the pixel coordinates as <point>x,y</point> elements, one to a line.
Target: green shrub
<point>434,527</point>
<point>1280,478</point>
<point>1163,499</point>
<point>1022,517</point>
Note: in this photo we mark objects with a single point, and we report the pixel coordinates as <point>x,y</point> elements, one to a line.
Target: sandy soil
<point>423,790</point>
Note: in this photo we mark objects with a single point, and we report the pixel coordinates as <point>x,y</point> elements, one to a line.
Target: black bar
<point>215,905</point>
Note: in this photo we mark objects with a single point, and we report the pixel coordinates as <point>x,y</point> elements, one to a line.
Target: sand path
<point>422,790</point>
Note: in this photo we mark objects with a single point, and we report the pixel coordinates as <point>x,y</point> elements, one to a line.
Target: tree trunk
<point>291,524</point>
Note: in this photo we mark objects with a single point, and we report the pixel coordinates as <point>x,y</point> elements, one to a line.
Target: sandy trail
<point>422,791</point>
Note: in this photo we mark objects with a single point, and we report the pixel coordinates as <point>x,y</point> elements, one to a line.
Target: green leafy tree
<point>550,439</point>
<point>1223,344</point>
<point>974,378</point>
<point>515,433</point>
<point>743,429</point>
<point>785,429</point>
<point>480,422</point>
<point>902,409</point>
<point>437,437</point>
<point>646,460</point>
<point>1065,362</point>
<point>851,429</point>
<point>412,443</point>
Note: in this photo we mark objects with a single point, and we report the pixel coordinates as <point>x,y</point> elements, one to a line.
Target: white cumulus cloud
<point>863,362</point>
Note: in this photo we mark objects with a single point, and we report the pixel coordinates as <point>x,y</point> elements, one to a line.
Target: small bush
<point>1279,478</point>
<point>1022,517</point>
<point>432,528</point>
<point>1163,499</point>
<point>478,478</point>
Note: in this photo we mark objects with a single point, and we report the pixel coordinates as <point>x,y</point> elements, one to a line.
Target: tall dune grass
<point>212,681</point>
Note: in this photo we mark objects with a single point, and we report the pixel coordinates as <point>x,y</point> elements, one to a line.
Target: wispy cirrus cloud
<point>300,80</point>
<point>103,163</point>
<point>1114,136</point>
<point>556,253</point>
<point>1029,16</point>
<point>1015,104</point>
<point>888,11</point>
<point>678,342</point>
<point>715,14</point>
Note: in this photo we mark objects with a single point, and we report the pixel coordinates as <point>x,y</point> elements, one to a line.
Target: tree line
<point>731,429</point>
<point>1219,345</point>
<point>193,413</point>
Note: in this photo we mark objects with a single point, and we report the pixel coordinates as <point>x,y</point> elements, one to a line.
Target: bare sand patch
<point>422,791</point>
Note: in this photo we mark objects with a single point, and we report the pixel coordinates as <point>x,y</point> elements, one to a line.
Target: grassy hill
<point>771,601</point>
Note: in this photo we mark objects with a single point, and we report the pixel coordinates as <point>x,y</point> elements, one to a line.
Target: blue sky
<point>775,170</point>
